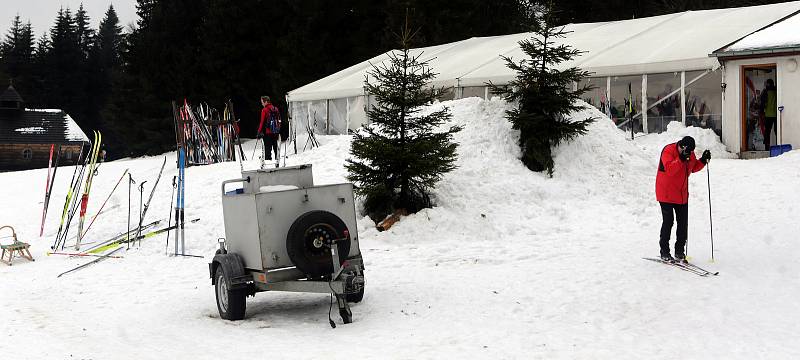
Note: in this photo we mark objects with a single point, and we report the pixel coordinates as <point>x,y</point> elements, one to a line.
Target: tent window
<point>619,98</point>
<point>473,91</point>
<point>448,94</point>
<point>664,101</point>
<point>704,101</point>
<point>596,96</point>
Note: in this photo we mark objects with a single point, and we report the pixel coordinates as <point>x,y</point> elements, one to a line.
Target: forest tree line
<point>122,81</point>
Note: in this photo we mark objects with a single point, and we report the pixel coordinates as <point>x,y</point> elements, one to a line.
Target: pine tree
<point>16,55</point>
<point>400,157</point>
<point>104,64</point>
<point>544,94</point>
<point>84,34</point>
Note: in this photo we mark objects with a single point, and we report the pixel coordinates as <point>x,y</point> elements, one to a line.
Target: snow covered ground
<point>511,264</point>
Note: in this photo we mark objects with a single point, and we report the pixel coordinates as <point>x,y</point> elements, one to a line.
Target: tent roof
<point>659,44</point>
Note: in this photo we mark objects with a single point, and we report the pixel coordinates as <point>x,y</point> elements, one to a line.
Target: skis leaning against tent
<point>685,266</point>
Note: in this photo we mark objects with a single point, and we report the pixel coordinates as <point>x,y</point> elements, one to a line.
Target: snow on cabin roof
<point>74,132</point>
<point>781,35</point>
<point>658,44</point>
<point>39,126</point>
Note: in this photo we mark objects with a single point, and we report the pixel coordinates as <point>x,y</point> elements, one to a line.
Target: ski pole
<point>254,149</point>
<point>80,236</point>
<point>169,222</point>
<point>130,182</point>
<point>141,195</point>
<point>710,219</point>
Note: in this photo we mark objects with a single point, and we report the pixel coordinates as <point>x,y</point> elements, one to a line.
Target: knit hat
<point>688,142</point>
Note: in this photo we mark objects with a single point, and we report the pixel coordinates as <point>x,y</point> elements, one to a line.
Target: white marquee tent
<point>673,50</point>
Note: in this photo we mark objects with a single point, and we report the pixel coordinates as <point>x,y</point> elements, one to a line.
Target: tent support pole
<point>327,116</point>
<point>683,97</point>
<point>608,96</point>
<point>644,104</point>
<point>722,113</point>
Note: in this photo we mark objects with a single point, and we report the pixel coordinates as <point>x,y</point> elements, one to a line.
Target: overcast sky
<point>42,13</point>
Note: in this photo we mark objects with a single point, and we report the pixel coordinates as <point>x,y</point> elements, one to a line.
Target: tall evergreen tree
<point>63,65</point>
<point>104,64</point>
<point>83,32</point>
<point>16,56</point>
<point>544,94</point>
<point>401,156</point>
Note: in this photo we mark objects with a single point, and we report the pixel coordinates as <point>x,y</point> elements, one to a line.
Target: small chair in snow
<point>16,247</point>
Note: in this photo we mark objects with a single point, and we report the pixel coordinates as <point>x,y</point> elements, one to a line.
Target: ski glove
<point>259,136</point>
<point>706,157</point>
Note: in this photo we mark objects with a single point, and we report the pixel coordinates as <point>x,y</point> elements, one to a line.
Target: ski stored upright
<point>98,138</point>
<point>50,181</point>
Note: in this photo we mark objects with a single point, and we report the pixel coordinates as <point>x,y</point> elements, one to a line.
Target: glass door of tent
<point>759,107</point>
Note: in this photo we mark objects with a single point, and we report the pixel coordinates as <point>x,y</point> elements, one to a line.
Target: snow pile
<point>510,264</point>
<point>704,139</point>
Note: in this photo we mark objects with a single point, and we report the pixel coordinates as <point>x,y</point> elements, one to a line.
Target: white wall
<point>788,96</point>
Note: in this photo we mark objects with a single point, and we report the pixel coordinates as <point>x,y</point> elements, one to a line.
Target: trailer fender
<point>233,265</point>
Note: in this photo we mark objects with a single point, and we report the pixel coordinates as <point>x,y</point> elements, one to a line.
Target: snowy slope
<point>511,264</point>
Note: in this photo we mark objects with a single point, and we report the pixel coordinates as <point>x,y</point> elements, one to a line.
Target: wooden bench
<point>17,247</point>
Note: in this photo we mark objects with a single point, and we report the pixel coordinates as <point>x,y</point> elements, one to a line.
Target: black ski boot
<point>667,257</point>
<point>680,257</point>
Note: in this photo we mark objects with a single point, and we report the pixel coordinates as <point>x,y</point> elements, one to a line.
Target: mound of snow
<point>704,139</point>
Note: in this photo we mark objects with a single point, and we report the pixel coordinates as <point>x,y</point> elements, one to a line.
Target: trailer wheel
<point>305,246</point>
<point>230,303</point>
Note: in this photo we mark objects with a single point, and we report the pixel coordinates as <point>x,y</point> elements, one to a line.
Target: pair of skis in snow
<point>73,202</point>
<point>115,244</point>
<point>685,266</point>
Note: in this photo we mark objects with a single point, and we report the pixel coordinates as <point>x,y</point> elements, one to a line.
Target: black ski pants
<point>681,213</point>
<point>270,145</point>
<point>769,123</point>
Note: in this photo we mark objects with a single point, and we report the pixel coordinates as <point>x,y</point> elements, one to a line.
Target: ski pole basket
<point>16,247</point>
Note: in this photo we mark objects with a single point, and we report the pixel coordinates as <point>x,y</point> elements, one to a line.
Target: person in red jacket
<point>270,116</point>
<point>672,192</point>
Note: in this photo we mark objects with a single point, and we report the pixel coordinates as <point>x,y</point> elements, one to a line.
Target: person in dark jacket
<point>672,192</point>
<point>270,116</point>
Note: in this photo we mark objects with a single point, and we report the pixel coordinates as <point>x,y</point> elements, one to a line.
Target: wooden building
<point>26,135</point>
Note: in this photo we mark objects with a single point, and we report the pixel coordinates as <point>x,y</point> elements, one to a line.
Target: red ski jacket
<point>264,115</point>
<point>672,180</point>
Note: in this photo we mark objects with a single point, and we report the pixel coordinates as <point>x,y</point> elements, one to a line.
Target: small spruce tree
<point>544,94</point>
<point>400,157</point>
